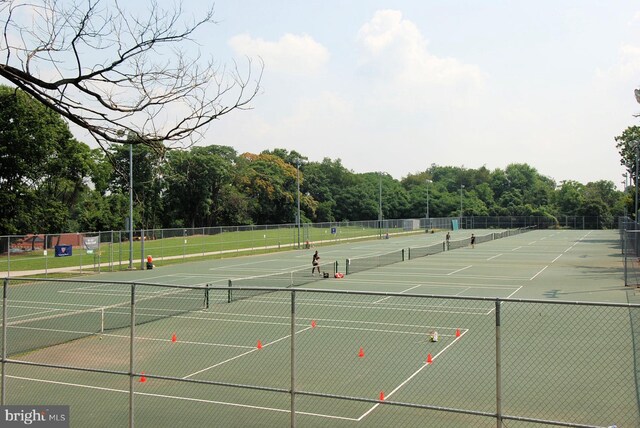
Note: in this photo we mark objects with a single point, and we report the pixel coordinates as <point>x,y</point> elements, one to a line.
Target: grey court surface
<point>574,265</point>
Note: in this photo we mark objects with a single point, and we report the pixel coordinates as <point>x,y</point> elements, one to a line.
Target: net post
<point>206,296</point>
<point>101,320</point>
<point>229,297</point>
<point>409,252</point>
<point>3,381</point>
<point>335,267</point>
<point>403,254</point>
<point>346,267</point>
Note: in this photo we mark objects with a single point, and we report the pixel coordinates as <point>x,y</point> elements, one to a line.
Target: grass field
<point>113,253</point>
<point>361,336</point>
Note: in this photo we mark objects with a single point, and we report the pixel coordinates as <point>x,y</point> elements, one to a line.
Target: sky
<point>397,86</point>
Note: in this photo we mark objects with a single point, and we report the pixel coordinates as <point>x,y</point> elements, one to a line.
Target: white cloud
<point>291,54</point>
<point>396,58</point>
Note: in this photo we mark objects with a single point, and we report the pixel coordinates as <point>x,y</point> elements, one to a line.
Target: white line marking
<point>243,354</point>
<point>174,397</point>
<point>459,270</point>
<point>403,291</point>
<point>556,258</point>
<point>412,376</point>
<point>542,270</point>
<point>517,248</point>
<point>509,296</point>
<point>497,255</point>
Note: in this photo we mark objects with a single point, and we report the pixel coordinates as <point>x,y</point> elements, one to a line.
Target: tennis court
<point>210,353</point>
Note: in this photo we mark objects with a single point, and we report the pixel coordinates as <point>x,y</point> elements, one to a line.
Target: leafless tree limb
<point>117,74</point>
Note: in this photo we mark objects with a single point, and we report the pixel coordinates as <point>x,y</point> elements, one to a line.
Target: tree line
<point>50,182</point>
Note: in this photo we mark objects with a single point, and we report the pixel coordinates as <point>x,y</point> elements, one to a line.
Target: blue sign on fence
<point>63,250</point>
<point>333,231</point>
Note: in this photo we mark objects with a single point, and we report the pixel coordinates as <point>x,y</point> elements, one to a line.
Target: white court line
<point>175,397</point>
<point>288,318</point>
<point>412,376</point>
<point>517,248</point>
<point>48,304</point>
<point>532,242</point>
<point>379,308</point>
<point>541,270</point>
<point>497,255</point>
<point>227,267</point>
<point>459,270</point>
<point>403,291</point>
<point>509,296</point>
<point>243,354</point>
<point>556,258</point>
<point>34,313</point>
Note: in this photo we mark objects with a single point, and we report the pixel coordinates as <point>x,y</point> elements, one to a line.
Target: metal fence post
<point>131,353</point>
<point>293,359</point>
<point>498,369</point>
<point>3,393</point>
<point>624,253</point>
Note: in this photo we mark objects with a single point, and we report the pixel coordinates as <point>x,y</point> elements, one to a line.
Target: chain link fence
<point>91,252</point>
<point>154,355</point>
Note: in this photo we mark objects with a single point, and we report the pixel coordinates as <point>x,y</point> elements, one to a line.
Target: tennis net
<point>365,263</point>
<point>293,278</point>
<point>56,326</point>
<point>429,250</point>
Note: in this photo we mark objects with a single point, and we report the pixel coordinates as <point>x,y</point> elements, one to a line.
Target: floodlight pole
<point>461,189</point>
<point>130,206</point>
<point>380,203</point>
<point>636,92</point>
<point>298,195</point>
<point>427,224</point>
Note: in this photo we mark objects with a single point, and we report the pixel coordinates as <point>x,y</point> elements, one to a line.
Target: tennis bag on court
<point>325,274</point>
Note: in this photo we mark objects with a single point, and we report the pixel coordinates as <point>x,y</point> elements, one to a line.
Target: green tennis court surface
<point>371,340</point>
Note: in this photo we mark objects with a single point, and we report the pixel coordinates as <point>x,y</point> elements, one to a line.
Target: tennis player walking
<point>315,263</point>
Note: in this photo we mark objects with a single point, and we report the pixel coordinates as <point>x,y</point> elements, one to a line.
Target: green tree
<point>194,181</point>
<point>42,168</point>
<point>147,183</point>
<point>270,185</point>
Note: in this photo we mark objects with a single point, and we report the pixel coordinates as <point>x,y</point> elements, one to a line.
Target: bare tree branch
<point>119,75</point>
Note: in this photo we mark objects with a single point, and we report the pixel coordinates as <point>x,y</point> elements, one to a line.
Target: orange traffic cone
<point>259,346</point>
<point>429,359</point>
<point>361,353</point>
<point>143,378</point>
<point>381,395</point>
<point>457,332</point>
<point>313,324</point>
<point>174,338</point>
